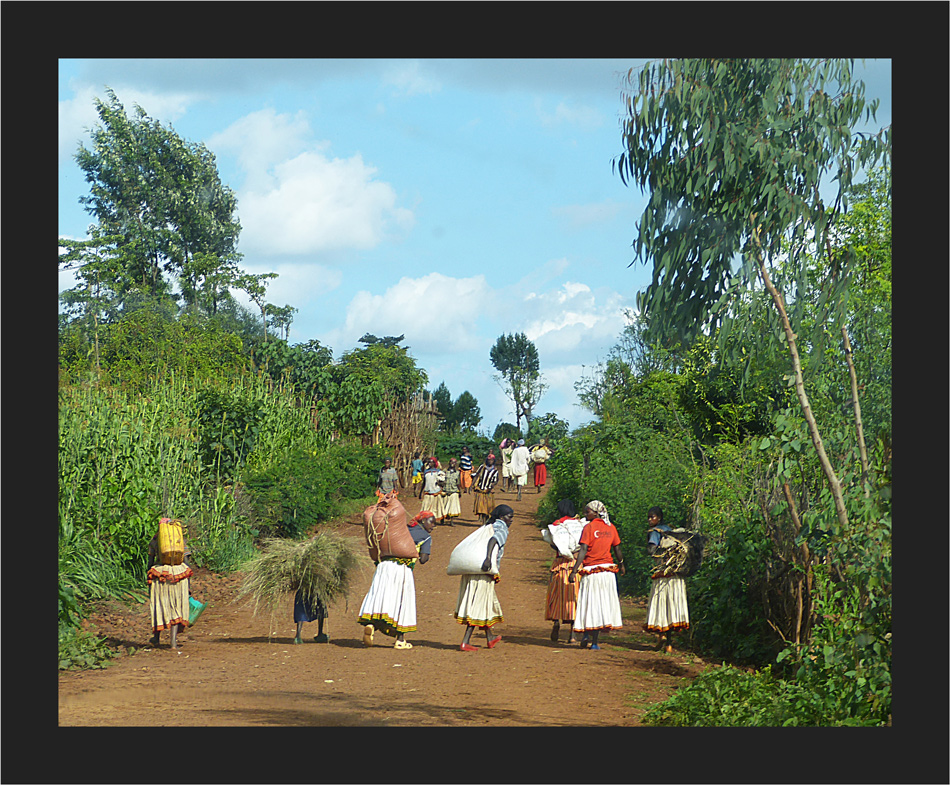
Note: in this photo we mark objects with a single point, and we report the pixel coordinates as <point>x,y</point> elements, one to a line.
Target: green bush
<point>305,487</point>
<point>79,650</point>
<point>725,597</point>
<point>731,697</point>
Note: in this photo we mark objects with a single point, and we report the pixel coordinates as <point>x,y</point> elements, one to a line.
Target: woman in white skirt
<point>451,507</point>
<point>390,604</point>
<point>478,604</point>
<point>598,601</point>
<point>666,607</point>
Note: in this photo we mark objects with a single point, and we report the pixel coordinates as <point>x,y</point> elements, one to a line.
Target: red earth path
<point>237,669</point>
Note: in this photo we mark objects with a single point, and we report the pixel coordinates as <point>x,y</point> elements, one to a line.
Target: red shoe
<point>494,642</point>
<point>468,647</point>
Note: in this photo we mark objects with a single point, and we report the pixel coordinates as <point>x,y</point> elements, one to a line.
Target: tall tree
<point>733,153</point>
<point>163,198</point>
<point>515,358</point>
<point>466,414</point>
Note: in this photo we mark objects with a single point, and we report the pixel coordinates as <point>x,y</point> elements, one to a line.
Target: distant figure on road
<point>520,458</point>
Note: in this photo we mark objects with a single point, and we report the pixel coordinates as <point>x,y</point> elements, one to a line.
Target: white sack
<point>469,555</point>
<point>565,536</point>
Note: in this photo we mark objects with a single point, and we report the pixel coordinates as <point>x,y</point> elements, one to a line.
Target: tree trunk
<point>858,424</point>
<point>791,339</point>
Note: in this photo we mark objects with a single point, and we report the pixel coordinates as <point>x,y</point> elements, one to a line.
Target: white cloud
<point>296,200</point>
<point>413,305</point>
<point>572,323</point>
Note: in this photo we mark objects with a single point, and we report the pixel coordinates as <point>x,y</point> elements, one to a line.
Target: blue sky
<point>447,200</point>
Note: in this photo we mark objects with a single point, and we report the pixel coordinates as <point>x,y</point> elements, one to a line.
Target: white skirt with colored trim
<point>477,603</point>
<point>666,607</point>
<point>598,603</point>
<point>390,603</point>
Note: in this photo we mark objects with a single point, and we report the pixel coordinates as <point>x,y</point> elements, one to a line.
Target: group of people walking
<point>440,490</point>
<point>582,591</point>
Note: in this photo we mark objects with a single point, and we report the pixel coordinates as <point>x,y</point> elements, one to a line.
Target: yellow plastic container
<point>171,541</point>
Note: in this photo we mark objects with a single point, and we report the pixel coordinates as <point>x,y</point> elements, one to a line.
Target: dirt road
<point>235,669</point>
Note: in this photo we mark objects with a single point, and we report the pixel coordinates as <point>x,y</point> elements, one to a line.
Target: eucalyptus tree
<point>515,357</point>
<point>733,154</point>
<point>162,197</point>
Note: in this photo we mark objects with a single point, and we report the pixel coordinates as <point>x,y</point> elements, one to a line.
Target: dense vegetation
<point>750,396</point>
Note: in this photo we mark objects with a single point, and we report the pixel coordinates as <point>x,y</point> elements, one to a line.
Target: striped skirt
<point>561,604</point>
<point>484,502</point>
<point>168,595</point>
<point>598,603</point>
<point>451,508</point>
<point>666,607</point>
<point>478,603</point>
<point>390,603</point>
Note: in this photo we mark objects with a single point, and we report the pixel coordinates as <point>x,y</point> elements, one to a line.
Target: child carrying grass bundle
<point>319,571</point>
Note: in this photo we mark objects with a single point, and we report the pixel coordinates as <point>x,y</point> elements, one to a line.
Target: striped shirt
<point>485,477</point>
<point>465,462</point>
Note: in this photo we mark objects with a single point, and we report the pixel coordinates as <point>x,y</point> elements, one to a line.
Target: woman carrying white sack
<point>598,601</point>
<point>478,604</point>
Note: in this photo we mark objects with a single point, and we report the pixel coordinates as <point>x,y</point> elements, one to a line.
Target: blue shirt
<point>654,536</point>
<point>420,535</point>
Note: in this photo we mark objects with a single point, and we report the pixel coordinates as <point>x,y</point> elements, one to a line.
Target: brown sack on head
<point>385,526</point>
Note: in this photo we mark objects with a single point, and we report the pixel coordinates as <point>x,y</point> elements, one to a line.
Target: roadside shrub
<point>305,487</point>
<point>725,597</point>
<point>80,650</point>
<point>731,697</point>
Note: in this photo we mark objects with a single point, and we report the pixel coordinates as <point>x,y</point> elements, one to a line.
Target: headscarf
<point>504,443</point>
<point>521,442</point>
<point>420,517</point>
<point>491,455</point>
<point>601,510</point>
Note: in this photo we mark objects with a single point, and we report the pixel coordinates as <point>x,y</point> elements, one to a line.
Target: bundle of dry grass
<point>322,567</point>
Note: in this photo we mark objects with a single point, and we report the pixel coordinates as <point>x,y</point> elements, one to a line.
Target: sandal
<point>368,635</point>
<point>494,642</point>
<point>298,640</point>
<point>402,645</point>
<point>585,642</point>
<point>467,647</point>
<point>555,632</point>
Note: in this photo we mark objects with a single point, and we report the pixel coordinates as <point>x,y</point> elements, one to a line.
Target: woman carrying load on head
<point>478,604</point>
<point>483,486</point>
<point>390,604</point>
<point>598,602</point>
<point>168,592</point>
<point>666,606</point>
<point>561,602</point>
